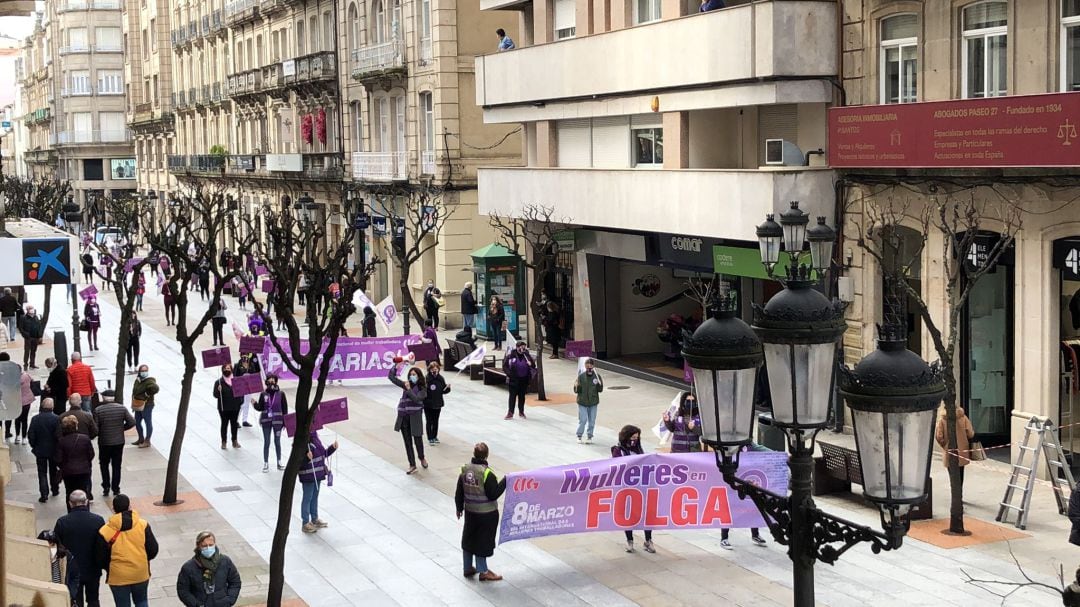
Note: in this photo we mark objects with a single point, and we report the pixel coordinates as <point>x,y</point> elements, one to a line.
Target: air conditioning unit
<point>783,153</point>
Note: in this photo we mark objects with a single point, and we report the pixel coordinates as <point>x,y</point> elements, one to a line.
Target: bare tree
<point>958,216</point>
<point>998,587</point>
<point>192,239</point>
<point>301,249</point>
<point>416,215</point>
<point>530,235</point>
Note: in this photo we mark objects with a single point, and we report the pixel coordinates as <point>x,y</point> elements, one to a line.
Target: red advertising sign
<point>1027,130</point>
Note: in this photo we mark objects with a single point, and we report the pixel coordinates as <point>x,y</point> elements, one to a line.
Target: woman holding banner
<point>685,425</point>
<point>630,444</point>
<point>410,413</point>
<point>272,407</point>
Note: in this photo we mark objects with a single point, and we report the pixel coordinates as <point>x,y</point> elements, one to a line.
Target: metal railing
<point>77,91</point>
<point>380,166</point>
<point>181,99</point>
<point>204,29</point>
<point>240,9</point>
<point>74,48</point>
<point>244,83</point>
<point>107,4</point>
<point>378,58</point>
<point>111,136</point>
<point>427,162</point>
<point>215,21</point>
<point>426,56</point>
<point>215,93</point>
<point>192,30</point>
<point>315,66</point>
<point>178,37</point>
<point>72,5</point>
<point>108,48</point>
<point>324,165</point>
<point>106,90</point>
<point>192,97</point>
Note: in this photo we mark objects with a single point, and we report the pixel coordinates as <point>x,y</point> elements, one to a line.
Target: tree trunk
<point>172,470</point>
<point>956,488</point>
<point>408,304</point>
<point>541,390</point>
<point>126,298</point>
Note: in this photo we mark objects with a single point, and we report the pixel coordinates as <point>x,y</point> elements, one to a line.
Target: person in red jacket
<point>81,380</point>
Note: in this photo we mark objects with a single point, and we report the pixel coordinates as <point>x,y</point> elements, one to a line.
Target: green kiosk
<point>498,272</point>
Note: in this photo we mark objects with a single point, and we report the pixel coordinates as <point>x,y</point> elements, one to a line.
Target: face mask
<point>633,442</point>
<point>143,374</point>
<point>413,379</point>
<point>208,552</point>
<point>271,388</point>
<point>227,372</point>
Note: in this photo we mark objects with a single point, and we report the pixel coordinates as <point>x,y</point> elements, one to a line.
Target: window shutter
<point>575,143</point>
<point>777,122</point>
<point>646,121</point>
<point>611,142</point>
<point>565,14</point>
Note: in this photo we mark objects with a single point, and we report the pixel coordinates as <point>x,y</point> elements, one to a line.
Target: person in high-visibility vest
<point>477,497</point>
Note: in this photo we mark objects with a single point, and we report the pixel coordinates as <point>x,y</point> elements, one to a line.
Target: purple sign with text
<point>215,357</point>
<point>88,292</point>
<point>252,344</point>
<point>576,349</point>
<point>268,286</point>
<point>329,411</point>
<point>425,351</point>
<point>354,357</point>
<point>653,491</point>
<point>247,384</point>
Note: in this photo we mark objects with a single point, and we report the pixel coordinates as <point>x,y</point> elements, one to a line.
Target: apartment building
<point>33,72</point>
<point>973,99</point>
<point>664,135</point>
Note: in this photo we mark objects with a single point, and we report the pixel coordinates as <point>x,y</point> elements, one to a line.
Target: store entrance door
<point>1066,258</point>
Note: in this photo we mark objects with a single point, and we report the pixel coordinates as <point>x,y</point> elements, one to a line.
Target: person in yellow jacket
<point>126,545</point>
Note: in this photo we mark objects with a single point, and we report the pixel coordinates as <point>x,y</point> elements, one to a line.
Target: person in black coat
<point>476,498</point>
<point>77,532</point>
<point>1074,517</point>
<point>209,579</point>
<point>433,404</point>
<point>42,438</point>
<point>1071,596</point>
<point>468,306</point>
<point>56,386</point>
<point>228,405</point>
<point>369,322</point>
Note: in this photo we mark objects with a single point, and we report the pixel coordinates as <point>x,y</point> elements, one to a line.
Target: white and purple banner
<point>354,357</point>
<point>652,491</point>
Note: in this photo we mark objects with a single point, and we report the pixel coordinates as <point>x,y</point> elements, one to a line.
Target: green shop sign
<point>738,261</point>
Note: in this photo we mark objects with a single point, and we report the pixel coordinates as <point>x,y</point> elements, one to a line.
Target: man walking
<point>77,531</point>
<point>476,497</point>
<point>112,420</point>
<point>125,547</point>
<point>81,380</point>
<point>468,306</point>
<point>42,436</point>
<point>56,386</point>
<point>32,330</point>
<point>518,366</point>
<point>9,310</point>
<point>588,387</point>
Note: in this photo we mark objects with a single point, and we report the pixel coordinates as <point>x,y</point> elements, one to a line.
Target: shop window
<point>92,171</point>
<point>899,59</point>
<point>985,50</point>
<point>1070,45</point>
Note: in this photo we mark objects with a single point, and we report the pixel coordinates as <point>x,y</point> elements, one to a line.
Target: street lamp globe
<point>793,222</point>
<point>821,238</point>
<point>770,235</point>
<point>893,396</point>
<point>724,354</point>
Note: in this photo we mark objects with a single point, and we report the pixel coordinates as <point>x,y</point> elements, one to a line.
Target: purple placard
<point>131,263</point>
<point>268,286</point>
<point>576,349</point>
<point>331,411</point>
<point>215,357</point>
<point>290,424</point>
<point>88,292</point>
<point>252,344</point>
<point>260,270</point>
<point>247,384</point>
<point>652,491</point>
<point>424,351</point>
<point>687,373</point>
<point>354,357</point>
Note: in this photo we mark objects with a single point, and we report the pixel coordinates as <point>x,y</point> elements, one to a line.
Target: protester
<point>204,280</point>
<point>964,434</point>
<point>42,440</point>
<point>142,404</point>
<point>312,474</point>
<point>1074,517</point>
<point>431,336</point>
<point>209,579</point>
<point>87,266</point>
<point>496,320</point>
<point>140,291</point>
<point>410,419</point>
<point>468,305</point>
<point>219,321</point>
<point>245,366</point>
<point>369,322</point>
<point>77,532</point>
<point>126,545</point>
<point>433,404</point>
<point>74,456</point>
<point>113,419</point>
<point>228,405</point>
<point>32,330</point>
<point>9,312</point>
<point>476,497</point>
<point>588,387</point>
<point>519,367</point>
<point>685,427</point>
<point>630,444</point>
<point>154,259</point>
<point>272,407</point>
<point>432,302</point>
<point>92,317</point>
<point>134,335</point>
<point>169,301</point>
<point>505,43</point>
<point>81,380</point>
<point>302,288</point>
<point>56,386</point>
<point>553,327</point>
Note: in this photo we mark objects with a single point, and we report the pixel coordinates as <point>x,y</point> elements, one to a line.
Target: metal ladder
<point>1049,447</point>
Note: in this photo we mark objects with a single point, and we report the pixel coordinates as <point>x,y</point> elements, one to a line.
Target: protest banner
<point>88,292</point>
<point>252,344</point>
<point>575,349</point>
<point>475,357</point>
<point>261,270</point>
<point>425,351</point>
<point>216,357</point>
<point>653,491</point>
<point>247,384</point>
<point>131,263</point>
<point>354,357</point>
<point>328,412</point>
<point>267,286</point>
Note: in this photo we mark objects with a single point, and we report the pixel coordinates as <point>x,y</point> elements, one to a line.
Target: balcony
<point>269,7</point>
<point>71,5</point>
<point>108,48</point>
<point>80,137</point>
<point>75,48</point>
<point>378,60</point>
<point>181,100</point>
<point>108,5</point>
<point>241,11</point>
<point>215,93</point>
<point>215,22</point>
<point>192,96</point>
<point>77,92</point>
<point>380,166</point>
<point>717,202</point>
<point>245,83</point>
<point>192,30</point>
<point>739,44</point>
<point>427,162</point>
<point>179,37</point>
<point>204,26</point>
<point>311,68</point>
<point>39,116</point>
<point>108,90</point>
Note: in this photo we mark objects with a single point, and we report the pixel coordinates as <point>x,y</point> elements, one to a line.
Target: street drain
<point>228,488</point>
<point>618,387</point>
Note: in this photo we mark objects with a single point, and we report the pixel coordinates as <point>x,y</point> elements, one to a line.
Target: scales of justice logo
<point>46,261</point>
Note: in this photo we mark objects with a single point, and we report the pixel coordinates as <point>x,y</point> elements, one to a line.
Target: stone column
<point>676,140</point>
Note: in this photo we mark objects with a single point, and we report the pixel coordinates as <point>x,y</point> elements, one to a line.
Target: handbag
<point>84,325</point>
<point>35,387</point>
<point>138,404</point>
<point>977,453</point>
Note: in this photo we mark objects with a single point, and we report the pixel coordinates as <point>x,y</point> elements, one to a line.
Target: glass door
<point>1069,359</point>
<point>986,383</point>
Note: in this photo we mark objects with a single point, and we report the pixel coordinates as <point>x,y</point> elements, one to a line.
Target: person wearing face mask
<point>209,579</point>
<point>518,366</point>
<point>685,425</point>
<point>142,404</point>
<point>32,330</point>
<point>433,404</point>
<point>228,405</point>
<point>56,386</point>
<point>92,318</point>
<point>311,475</point>
<point>134,335</point>
<point>272,407</point>
<point>630,444</point>
<point>588,387</point>
<point>410,414</point>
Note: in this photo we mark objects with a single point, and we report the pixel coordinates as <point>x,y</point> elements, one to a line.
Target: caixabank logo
<point>46,261</point>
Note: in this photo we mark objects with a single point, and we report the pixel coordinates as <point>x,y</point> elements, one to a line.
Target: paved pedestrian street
<point>394,539</point>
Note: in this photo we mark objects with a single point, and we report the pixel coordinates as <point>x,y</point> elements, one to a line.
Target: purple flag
<point>268,286</point>
<point>216,357</point>
<point>687,373</point>
<point>247,384</point>
<point>88,292</point>
<point>330,411</point>
<point>354,357</point>
<point>653,491</point>
<point>577,349</point>
<point>260,270</point>
<point>252,344</point>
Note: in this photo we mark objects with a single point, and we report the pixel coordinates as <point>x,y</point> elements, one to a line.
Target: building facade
<point>37,96</point>
<point>148,88</point>
<point>978,59</point>
<point>664,137</point>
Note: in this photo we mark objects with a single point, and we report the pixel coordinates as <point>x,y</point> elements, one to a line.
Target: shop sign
<point>738,261</point>
<point>1021,130</point>
<point>565,240</point>
<point>1065,256</point>
<point>378,225</point>
<point>688,251</point>
<point>978,252</point>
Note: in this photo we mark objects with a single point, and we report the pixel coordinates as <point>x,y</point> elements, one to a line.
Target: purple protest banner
<point>425,351</point>
<point>331,411</point>
<point>576,349</point>
<point>131,263</point>
<point>354,357</point>
<point>653,491</point>
<point>260,270</point>
<point>252,344</point>
<point>215,357</point>
<point>247,384</point>
<point>88,292</point>
<point>267,286</point>
<point>290,424</point>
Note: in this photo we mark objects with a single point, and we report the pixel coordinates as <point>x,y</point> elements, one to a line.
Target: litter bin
<point>769,435</point>
<point>60,348</point>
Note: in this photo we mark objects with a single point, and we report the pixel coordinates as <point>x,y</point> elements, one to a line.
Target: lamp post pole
<point>73,218</point>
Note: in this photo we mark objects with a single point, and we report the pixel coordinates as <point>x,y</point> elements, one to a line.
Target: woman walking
<point>410,418</point>
<point>685,426</point>
<point>134,335</point>
<point>433,404</point>
<point>170,304</point>
<point>209,579</point>
<point>312,474</point>
<point>140,290</point>
<point>142,404</point>
<point>87,260</point>
<point>27,398</point>
<point>272,407</point>
<point>228,405</point>
<point>630,444</point>
<point>496,320</point>
<point>92,316</point>
<point>74,456</point>
<point>219,322</point>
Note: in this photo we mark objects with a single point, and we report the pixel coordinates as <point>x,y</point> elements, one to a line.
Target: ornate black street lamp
<point>73,220</point>
<point>892,394</point>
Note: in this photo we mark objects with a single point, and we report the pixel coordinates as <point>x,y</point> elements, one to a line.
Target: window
<point>91,168</point>
<point>328,31</point>
<point>899,59</point>
<point>397,24</point>
<point>358,128</point>
<point>648,146</point>
<point>383,108</point>
<point>984,50</point>
<point>646,11</point>
<point>80,82</point>
<point>399,123</point>
<point>111,82</point>
<point>313,34</point>
<point>1070,45</point>
<point>299,37</point>
<point>353,30</point>
<point>153,37</point>
<point>425,19</point>
<point>427,122</point>
<point>379,25</point>
<point>565,19</point>
<point>113,127</point>
<point>77,40</point>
